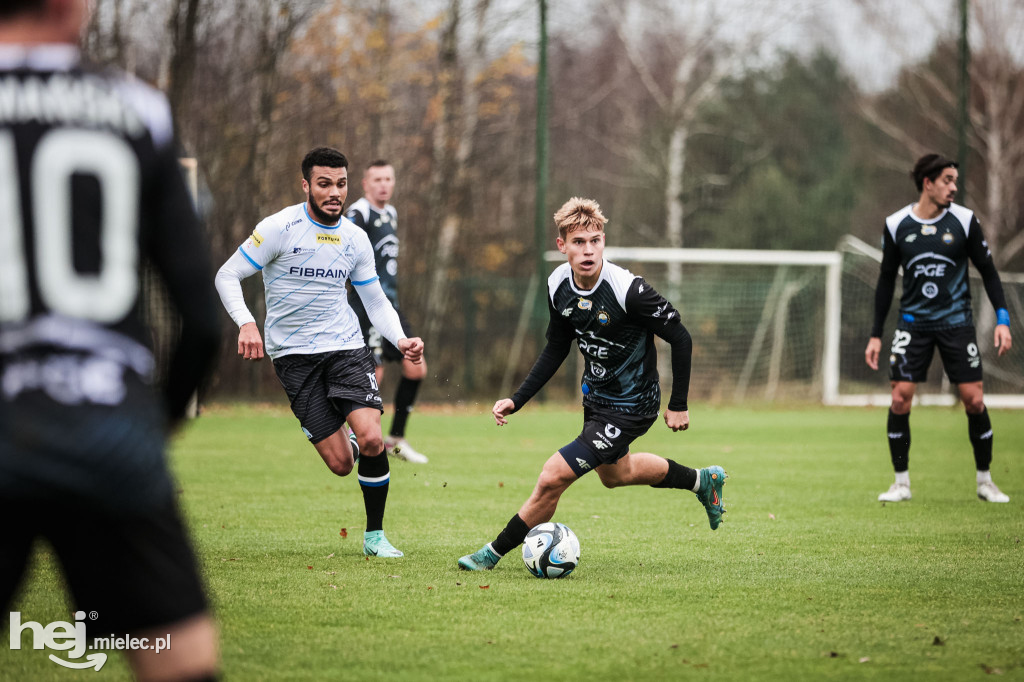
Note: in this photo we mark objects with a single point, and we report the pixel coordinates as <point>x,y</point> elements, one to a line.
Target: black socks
<point>979,429</point>
<point>511,537</point>
<point>405,396</point>
<point>374,478</point>
<point>678,476</point>
<point>898,427</point>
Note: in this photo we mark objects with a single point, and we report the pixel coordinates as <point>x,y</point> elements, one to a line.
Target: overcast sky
<point>872,48</point>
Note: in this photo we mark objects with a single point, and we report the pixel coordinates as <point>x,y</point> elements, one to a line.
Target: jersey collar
<point>310,219</point>
<point>930,221</point>
<point>587,292</point>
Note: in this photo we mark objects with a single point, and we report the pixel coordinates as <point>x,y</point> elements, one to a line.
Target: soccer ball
<point>551,550</point>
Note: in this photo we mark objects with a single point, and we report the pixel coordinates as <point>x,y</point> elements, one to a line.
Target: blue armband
<point>1003,316</point>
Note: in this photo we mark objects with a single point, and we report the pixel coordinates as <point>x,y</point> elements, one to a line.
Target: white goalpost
<point>792,325</point>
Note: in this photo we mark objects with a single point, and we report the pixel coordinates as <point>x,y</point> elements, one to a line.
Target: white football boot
<point>400,448</point>
<point>988,491</point>
<point>898,492</point>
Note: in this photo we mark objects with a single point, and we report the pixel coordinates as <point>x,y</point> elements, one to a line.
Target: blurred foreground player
<point>932,241</point>
<point>613,316</point>
<point>90,189</point>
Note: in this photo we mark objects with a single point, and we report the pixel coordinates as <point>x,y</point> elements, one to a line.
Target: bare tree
<point>184,51</point>
<point>458,118</point>
<point>691,38</point>
<point>928,88</point>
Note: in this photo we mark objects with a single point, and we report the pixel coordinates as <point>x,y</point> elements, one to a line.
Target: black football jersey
<point>382,229</point>
<point>934,255</point>
<point>614,325</point>
<point>90,191</point>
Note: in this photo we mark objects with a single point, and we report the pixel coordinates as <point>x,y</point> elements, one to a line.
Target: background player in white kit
<point>306,253</point>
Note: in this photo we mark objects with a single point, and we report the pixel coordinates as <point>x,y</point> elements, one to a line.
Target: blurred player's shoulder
<point>359,211</point>
<point>149,104</point>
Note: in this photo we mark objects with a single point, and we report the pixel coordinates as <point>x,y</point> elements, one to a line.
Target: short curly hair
<point>327,157</point>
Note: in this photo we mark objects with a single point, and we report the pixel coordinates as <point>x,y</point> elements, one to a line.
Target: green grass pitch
<point>809,578</point>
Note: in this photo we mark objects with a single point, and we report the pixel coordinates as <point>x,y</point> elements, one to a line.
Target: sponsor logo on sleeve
<point>256,239</point>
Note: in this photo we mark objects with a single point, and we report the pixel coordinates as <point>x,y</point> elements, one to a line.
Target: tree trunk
<point>456,198</point>
<point>674,204</point>
<point>184,14</point>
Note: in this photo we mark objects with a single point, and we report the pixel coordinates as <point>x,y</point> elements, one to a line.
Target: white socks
<point>984,477</point>
<point>903,478</point>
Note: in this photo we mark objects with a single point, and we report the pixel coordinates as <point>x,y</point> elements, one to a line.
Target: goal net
<point>793,325</point>
<point>764,323</point>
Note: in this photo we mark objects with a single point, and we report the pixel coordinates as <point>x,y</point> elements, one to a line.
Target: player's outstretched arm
<point>502,409</point>
<point>412,349</point>
<point>677,420</point>
<point>250,344</point>
<point>872,351</point>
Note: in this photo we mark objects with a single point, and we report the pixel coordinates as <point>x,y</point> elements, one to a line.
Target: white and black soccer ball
<point>551,550</point>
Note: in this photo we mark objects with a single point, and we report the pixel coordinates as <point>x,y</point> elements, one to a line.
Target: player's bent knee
<point>612,481</point>
<point>340,467</point>
<point>901,402</point>
<point>371,446</point>
<point>974,404</point>
<point>553,479</point>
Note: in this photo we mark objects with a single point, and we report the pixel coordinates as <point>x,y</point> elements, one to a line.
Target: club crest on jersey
<point>585,304</point>
<point>947,238</point>
<point>603,317</point>
<point>928,230</point>
<point>322,238</point>
<point>256,239</point>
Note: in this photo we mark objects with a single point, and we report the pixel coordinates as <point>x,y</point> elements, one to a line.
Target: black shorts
<point>324,387</point>
<point>382,349</point>
<point>911,354</point>
<point>605,438</point>
<point>133,572</point>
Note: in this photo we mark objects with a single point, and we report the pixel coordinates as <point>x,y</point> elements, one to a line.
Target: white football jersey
<point>305,266</point>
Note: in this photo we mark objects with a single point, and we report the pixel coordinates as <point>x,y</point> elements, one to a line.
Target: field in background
<point>809,578</point>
